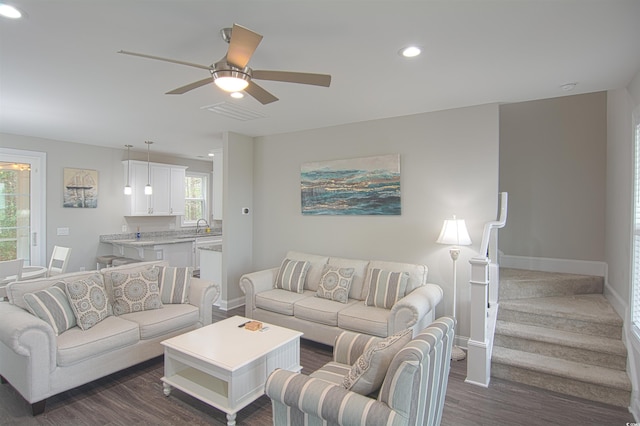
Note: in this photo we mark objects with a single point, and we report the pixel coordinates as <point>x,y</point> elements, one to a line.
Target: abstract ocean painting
<point>358,186</point>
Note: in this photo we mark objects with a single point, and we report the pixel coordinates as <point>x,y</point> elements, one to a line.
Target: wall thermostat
<point>245,210</point>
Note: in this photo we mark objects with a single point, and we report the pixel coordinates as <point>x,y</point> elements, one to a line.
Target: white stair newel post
<point>478,346</point>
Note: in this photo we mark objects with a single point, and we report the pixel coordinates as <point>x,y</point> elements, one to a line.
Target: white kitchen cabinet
<point>167,182</point>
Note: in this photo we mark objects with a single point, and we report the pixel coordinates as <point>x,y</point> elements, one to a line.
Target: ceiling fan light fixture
<point>237,95</point>
<point>231,80</point>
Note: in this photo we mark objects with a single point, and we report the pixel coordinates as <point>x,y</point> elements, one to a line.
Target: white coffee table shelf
<point>226,366</point>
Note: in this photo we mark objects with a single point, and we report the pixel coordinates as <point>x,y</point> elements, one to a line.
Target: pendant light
<point>148,190</point>
<point>127,187</point>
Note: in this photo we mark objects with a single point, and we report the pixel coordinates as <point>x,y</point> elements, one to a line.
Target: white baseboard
<point>226,305</point>
<point>568,266</point>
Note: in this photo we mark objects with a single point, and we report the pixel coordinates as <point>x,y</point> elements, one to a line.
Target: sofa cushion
<point>88,300</point>
<point>280,301</point>
<point>364,319</point>
<point>335,283</point>
<point>135,291</point>
<point>360,272</point>
<point>170,318</point>
<point>315,268</point>
<point>385,288</point>
<point>368,372</point>
<point>174,284</point>
<point>291,275</point>
<point>52,306</point>
<point>319,310</point>
<point>110,334</point>
<point>417,273</point>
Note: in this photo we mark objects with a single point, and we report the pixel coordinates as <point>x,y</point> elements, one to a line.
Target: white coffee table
<point>226,366</point>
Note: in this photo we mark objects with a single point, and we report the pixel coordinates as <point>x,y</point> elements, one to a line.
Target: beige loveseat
<point>322,319</point>
<point>40,358</point>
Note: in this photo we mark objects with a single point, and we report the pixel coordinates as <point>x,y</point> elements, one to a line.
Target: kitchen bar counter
<point>178,248</point>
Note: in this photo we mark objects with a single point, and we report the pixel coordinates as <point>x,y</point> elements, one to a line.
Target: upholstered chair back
<point>416,382</point>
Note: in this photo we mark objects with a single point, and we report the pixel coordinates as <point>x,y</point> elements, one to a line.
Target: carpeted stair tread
<point>562,368</point>
<point>520,283</point>
<point>560,337</point>
<point>583,307</point>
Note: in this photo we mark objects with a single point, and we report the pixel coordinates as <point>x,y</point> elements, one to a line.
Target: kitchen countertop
<point>157,238</point>
<point>212,247</point>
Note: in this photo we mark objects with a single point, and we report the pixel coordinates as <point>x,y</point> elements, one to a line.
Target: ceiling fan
<point>232,74</point>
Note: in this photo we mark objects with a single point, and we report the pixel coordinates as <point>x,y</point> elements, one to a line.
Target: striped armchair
<point>412,393</point>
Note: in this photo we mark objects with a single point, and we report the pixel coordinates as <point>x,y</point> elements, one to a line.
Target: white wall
<point>86,225</point>
<point>449,165</point>
<point>553,165</point>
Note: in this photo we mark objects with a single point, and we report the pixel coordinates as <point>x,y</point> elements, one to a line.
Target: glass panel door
<point>22,212</point>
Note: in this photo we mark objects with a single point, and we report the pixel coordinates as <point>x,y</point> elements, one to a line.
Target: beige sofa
<point>322,319</point>
<point>39,363</point>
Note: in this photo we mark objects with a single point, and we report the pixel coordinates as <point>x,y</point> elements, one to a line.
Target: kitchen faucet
<point>198,225</point>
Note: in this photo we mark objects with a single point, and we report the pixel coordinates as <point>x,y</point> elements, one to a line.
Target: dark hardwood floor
<point>134,397</point>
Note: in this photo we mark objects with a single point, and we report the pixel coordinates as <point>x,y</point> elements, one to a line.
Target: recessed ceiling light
<point>9,11</point>
<point>237,95</point>
<point>410,51</point>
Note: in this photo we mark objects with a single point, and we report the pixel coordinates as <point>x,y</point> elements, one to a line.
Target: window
<point>22,197</point>
<point>635,303</point>
<point>196,198</point>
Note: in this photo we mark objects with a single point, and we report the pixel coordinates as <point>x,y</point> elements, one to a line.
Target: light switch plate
<point>63,231</point>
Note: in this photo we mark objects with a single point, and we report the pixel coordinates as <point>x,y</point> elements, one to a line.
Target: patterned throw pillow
<point>291,275</point>
<point>135,291</point>
<point>385,288</point>
<point>174,284</point>
<point>88,300</point>
<point>368,372</point>
<point>335,283</point>
<point>52,306</point>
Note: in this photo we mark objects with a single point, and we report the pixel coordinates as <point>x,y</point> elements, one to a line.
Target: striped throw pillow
<point>385,288</point>
<point>52,306</point>
<point>174,284</point>
<point>292,274</point>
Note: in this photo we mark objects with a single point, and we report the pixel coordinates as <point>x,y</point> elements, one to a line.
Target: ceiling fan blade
<point>242,45</point>
<point>293,77</point>
<point>142,55</point>
<point>260,94</point>
<point>188,87</point>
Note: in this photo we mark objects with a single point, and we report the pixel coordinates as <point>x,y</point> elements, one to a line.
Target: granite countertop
<point>157,238</point>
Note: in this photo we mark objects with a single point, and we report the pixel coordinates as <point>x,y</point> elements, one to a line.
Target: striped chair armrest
<point>298,399</point>
<point>349,346</point>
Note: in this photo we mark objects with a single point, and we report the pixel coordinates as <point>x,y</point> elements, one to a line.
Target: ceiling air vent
<point>234,111</point>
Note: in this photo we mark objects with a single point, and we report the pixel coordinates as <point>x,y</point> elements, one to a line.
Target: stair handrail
<point>484,295</point>
<point>496,224</point>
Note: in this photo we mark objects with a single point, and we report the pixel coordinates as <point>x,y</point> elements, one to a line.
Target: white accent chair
<point>12,269</point>
<point>59,261</point>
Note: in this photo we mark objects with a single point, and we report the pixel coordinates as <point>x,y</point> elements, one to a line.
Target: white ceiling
<point>61,78</point>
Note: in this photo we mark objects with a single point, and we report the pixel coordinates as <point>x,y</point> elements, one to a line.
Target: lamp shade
<point>454,232</point>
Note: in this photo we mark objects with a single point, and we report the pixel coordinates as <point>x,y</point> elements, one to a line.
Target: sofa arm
<point>295,395</point>
<point>202,294</point>
<point>254,283</point>
<point>412,310</point>
<point>27,351</point>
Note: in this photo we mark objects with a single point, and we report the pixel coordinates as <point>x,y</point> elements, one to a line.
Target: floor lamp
<point>454,233</point>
